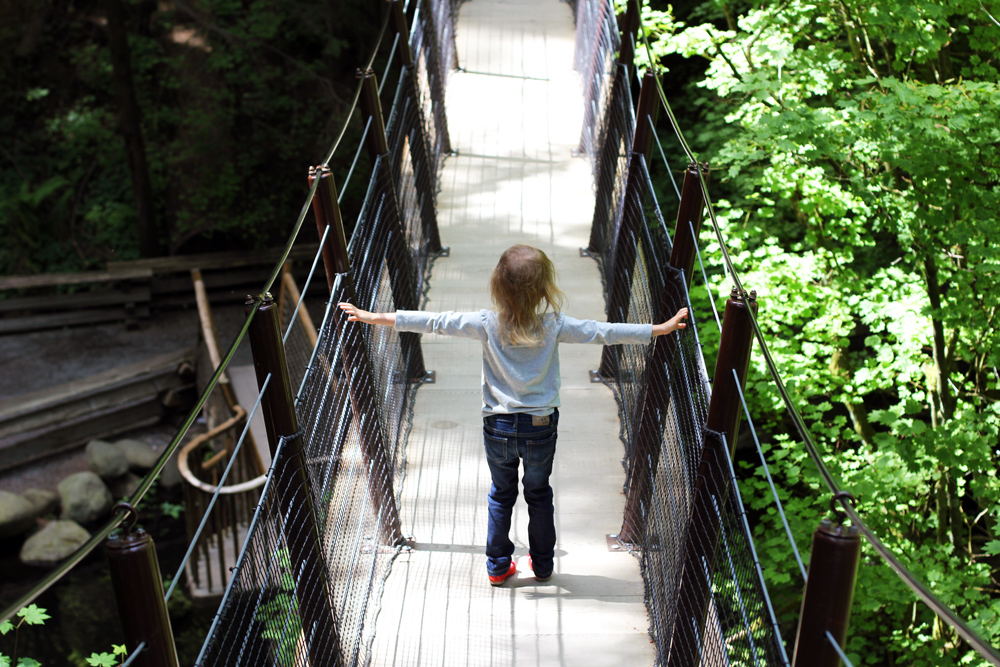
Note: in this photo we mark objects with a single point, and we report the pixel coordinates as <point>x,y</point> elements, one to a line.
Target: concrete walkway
<point>515,114</point>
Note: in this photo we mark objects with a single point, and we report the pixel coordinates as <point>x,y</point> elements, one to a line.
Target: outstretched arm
<point>355,314</point>
<point>672,324</point>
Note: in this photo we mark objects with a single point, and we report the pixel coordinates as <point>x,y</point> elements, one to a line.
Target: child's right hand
<point>354,314</point>
<point>673,324</point>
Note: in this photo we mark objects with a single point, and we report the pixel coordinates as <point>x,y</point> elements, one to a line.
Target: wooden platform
<point>39,424</point>
<point>515,113</point>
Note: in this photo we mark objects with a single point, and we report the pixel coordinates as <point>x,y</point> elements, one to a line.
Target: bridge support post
<point>398,19</point>
<point>138,586</point>
<point>826,603</point>
<point>645,455</point>
<point>354,355</point>
<point>630,31</point>
<point>689,215</point>
<point>712,484</point>
<point>629,223</point>
<point>397,251</point>
<point>291,482</point>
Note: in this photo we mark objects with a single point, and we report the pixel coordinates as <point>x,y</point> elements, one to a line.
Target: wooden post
<point>649,436</point>
<point>398,19</point>
<point>138,586</point>
<point>398,259</point>
<point>713,480</point>
<point>630,30</point>
<point>620,284</point>
<point>647,111</point>
<point>371,107</point>
<point>826,603</point>
<point>357,370</point>
<point>292,487</point>
<point>327,213</point>
<point>689,214</point>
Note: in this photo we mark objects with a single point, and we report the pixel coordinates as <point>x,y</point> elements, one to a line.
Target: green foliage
<point>109,659</point>
<point>280,614</point>
<point>173,510</point>
<point>35,615</point>
<point>856,156</point>
<point>237,99</point>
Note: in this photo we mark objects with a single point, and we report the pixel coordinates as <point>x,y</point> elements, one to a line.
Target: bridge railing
<point>310,577</point>
<point>676,515</point>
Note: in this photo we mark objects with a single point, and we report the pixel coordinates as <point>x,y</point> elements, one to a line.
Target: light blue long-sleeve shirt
<point>521,378</point>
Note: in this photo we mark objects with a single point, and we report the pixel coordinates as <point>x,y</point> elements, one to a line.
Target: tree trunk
<point>131,127</point>
<point>940,353</point>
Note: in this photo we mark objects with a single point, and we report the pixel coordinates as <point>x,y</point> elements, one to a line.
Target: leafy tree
<point>234,99</point>
<point>858,185</point>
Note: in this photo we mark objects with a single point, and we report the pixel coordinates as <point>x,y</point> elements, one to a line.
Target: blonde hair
<point>523,281</point>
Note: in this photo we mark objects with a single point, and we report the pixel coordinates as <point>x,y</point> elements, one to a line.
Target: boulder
<point>106,460</point>
<point>17,515</point>
<point>44,501</point>
<point>50,545</point>
<point>170,476</point>
<point>124,485</point>
<point>140,455</point>
<point>85,498</point>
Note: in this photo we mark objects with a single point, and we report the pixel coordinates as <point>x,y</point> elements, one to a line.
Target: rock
<point>170,476</point>
<point>124,485</point>
<point>53,543</point>
<point>85,498</point>
<point>106,460</point>
<point>140,455</point>
<point>17,515</point>
<point>43,501</point>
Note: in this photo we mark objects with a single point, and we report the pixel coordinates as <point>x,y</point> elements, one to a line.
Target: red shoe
<point>498,579</point>
<point>538,577</point>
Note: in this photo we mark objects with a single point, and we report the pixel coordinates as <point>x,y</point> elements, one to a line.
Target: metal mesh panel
<point>663,393</point>
<point>297,330</point>
<point>430,48</point>
<point>413,171</point>
<point>617,127</point>
<point>277,610</point>
<point>597,46</point>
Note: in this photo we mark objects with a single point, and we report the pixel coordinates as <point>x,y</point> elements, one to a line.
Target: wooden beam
<point>55,279</point>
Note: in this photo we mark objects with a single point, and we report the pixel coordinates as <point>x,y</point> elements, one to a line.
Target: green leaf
<point>33,615</point>
<point>101,660</point>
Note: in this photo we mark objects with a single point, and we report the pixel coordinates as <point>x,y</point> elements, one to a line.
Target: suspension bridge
<point>356,536</point>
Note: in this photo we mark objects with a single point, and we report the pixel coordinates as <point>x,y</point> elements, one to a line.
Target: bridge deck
<point>515,117</point>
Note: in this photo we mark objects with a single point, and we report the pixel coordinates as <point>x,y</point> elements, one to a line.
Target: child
<point>520,389</point>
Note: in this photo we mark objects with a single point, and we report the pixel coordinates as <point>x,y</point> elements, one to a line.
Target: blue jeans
<point>509,439</point>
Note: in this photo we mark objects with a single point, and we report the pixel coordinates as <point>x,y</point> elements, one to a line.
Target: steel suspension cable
<point>770,481</point>
<point>357,90</point>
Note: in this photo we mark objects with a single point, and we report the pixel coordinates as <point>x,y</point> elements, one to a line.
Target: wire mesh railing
<point>664,394</point>
<point>295,597</point>
<point>606,242</point>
